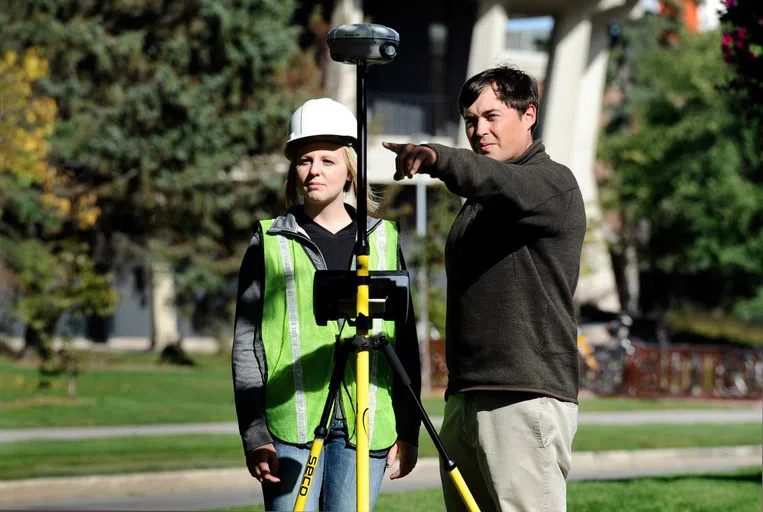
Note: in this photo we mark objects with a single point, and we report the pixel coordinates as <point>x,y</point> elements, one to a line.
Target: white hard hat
<point>320,119</point>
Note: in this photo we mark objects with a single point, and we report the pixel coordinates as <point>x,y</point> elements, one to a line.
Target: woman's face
<point>322,172</point>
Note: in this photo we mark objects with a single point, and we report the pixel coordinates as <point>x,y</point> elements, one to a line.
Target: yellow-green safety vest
<point>300,353</point>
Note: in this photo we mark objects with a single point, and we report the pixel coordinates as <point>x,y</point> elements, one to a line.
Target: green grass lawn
<point>716,492</point>
<point>30,459</point>
<point>712,492</point>
<point>119,390</point>
<point>129,389</point>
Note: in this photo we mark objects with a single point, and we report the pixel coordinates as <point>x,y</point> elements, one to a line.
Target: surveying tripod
<point>340,295</point>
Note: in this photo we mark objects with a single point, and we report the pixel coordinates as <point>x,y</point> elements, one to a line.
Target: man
<point>512,260</point>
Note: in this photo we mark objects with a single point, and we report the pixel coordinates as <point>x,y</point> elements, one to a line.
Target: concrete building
<point>444,43</point>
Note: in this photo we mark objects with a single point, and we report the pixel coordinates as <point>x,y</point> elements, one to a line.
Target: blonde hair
<point>293,193</point>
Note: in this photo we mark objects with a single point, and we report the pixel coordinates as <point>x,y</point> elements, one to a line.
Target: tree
<point>687,163</point>
<point>46,274</point>
<point>742,43</point>
<point>161,103</point>
<point>25,125</point>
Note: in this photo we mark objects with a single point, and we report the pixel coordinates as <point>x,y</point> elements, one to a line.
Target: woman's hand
<point>408,453</point>
<point>262,463</point>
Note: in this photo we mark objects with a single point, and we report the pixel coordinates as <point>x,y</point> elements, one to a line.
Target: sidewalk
<point>214,488</point>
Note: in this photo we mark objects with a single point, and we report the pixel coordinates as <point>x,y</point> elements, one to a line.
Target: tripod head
<point>385,293</point>
<point>335,295</point>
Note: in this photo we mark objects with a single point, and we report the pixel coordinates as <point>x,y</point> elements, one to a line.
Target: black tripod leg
<point>341,354</point>
<point>450,465</point>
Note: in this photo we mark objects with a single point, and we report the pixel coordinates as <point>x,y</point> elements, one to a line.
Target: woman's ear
<point>348,181</point>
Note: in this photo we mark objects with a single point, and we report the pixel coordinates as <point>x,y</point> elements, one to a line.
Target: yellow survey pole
<point>361,395</point>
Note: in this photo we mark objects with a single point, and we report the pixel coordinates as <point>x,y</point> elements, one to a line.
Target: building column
<point>340,79</point>
<point>488,36</point>
<point>488,42</point>
<point>566,63</point>
<point>597,283</point>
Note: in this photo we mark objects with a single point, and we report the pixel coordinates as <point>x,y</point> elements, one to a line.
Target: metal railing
<point>649,370</point>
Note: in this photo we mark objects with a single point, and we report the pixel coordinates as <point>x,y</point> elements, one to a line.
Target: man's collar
<point>532,150</point>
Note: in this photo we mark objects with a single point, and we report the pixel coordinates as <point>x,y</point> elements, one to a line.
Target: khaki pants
<point>514,452</point>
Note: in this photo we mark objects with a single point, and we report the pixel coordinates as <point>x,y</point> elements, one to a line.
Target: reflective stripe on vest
<point>381,249</point>
<point>299,353</point>
<point>291,308</point>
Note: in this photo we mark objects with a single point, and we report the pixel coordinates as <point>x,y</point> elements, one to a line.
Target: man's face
<point>496,130</point>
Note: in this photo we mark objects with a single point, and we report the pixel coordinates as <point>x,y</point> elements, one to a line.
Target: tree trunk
<point>164,324</point>
<point>631,280</point>
<point>34,343</point>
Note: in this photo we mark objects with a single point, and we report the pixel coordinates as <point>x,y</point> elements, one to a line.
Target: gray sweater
<point>512,261</point>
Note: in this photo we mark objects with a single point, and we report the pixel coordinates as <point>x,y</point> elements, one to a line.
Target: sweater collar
<point>535,148</point>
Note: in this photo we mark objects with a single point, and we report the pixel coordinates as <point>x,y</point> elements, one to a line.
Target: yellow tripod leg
<point>307,477</point>
<point>363,484</point>
<point>463,490</point>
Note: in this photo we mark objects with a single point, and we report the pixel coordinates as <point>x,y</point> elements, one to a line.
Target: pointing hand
<point>410,158</point>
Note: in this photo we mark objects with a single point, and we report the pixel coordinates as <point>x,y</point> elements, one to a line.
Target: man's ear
<point>529,117</point>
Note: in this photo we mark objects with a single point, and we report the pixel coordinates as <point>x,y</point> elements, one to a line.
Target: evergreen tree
<point>163,104</point>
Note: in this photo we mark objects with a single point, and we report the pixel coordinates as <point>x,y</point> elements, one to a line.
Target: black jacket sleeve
<point>248,357</point>
<point>407,349</point>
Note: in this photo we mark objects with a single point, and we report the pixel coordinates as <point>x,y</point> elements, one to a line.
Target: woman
<point>282,360</point>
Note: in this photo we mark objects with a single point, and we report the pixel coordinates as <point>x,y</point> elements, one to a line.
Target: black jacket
<point>512,260</point>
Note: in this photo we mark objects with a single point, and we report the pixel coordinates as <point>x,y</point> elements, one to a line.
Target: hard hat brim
<point>291,147</point>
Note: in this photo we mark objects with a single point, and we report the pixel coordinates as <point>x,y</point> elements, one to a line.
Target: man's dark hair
<point>513,86</point>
